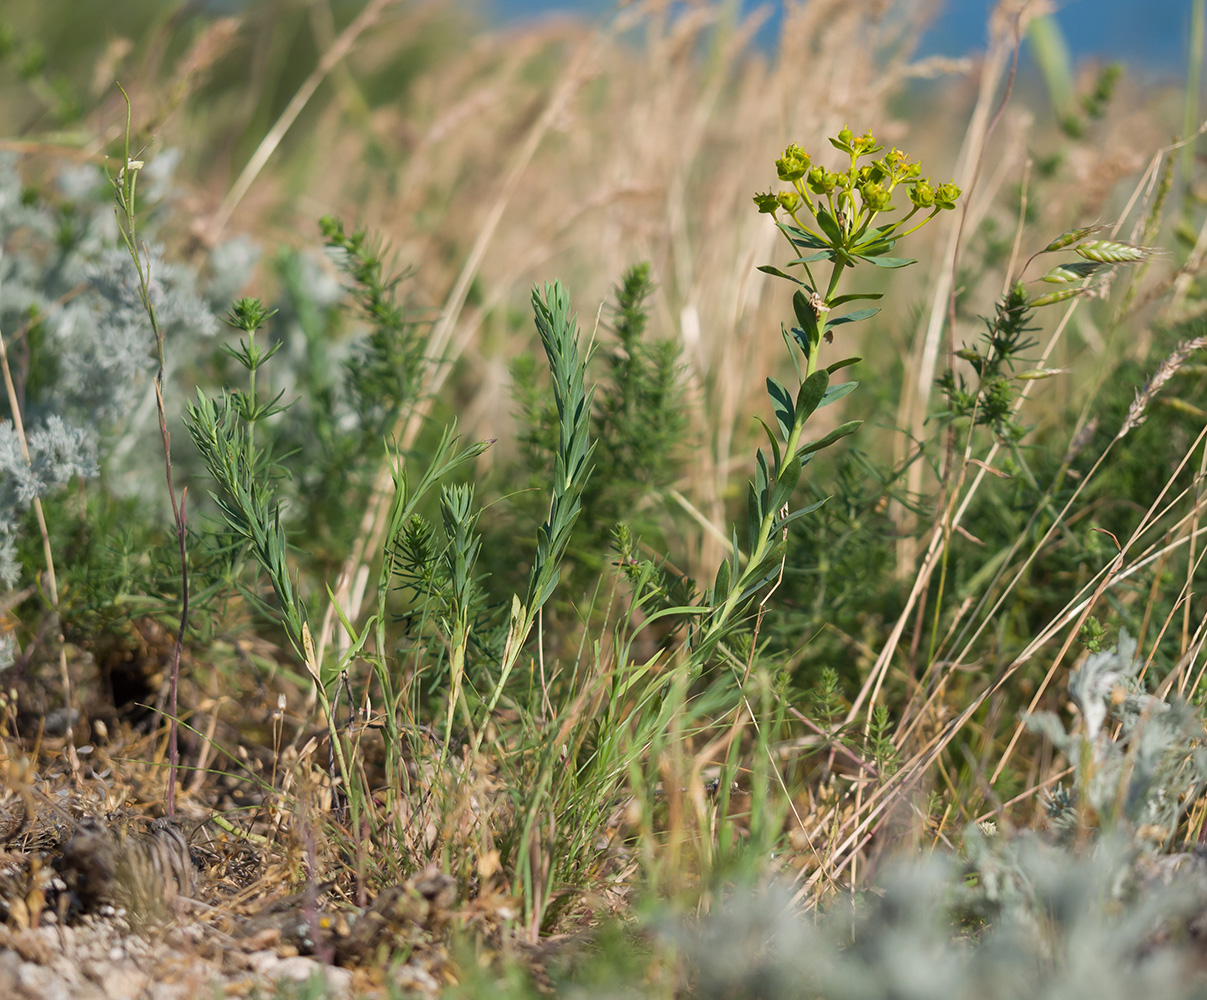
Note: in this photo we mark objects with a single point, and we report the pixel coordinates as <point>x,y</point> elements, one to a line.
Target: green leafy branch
<point>385,372</point>
<point>558,331</point>
<point>223,430</point>
<point>993,400</point>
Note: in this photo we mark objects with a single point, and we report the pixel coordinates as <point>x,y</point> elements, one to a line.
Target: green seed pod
<point>946,194</point>
<point>865,145</point>
<point>844,139</point>
<point>822,181</point>
<point>767,203</point>
<point>875,197</point>
<point>922,194</point>
<point>794,164</point>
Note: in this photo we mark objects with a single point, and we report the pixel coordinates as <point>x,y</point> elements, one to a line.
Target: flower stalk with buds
<point>840,218</point>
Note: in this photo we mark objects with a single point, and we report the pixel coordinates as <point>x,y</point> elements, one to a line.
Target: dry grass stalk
<point>915,400</point>
<point>339,49</point>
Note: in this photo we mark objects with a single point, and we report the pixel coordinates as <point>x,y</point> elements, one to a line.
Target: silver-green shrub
<point>1096,905</point>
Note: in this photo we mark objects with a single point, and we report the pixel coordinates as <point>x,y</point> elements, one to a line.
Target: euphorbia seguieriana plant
<point>838,218</point>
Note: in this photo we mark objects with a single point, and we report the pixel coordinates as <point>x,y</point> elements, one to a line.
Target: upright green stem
<point>456,669</point>
<point>251,393</point>
<point>337,746</point>
<point>765,533</point>
<point>125,211</point>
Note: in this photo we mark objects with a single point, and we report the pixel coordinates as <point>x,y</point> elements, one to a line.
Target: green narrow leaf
<point>1179,405</point>
<point>1038,374</point>
<point>752,516</point>
<point>785,486</point>
<point>829,226</point>
<point>842,300</point>
<point>888,262</point>
<point>775,445</point>
<point>1051,54</point>
<point>800,238</point>
<point>788,339</point>
<point>873,235</point>
<point>812,390</point>
<point>772,562</point>
<point>839,432</point>
<point>874,247</point>
<point>835,392</point>
<point>781,401</point>
<point>776,272</point>
<point>762,480</point>
<point>785,521</point>
<point>807,319</point>
<point>720,587</point>
<point>844,363</point>
<point>852,317</point>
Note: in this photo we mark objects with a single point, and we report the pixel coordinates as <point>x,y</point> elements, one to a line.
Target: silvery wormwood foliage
<point>58,452</point>
<point>94,356</point>
<point>1146,769</point>
<point>1104,915</point>
<point>60,266</point>
<point>1017,918</point>
<point>108,353</point>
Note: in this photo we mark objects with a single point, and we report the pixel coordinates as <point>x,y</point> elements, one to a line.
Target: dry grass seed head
<point>1165,371</point>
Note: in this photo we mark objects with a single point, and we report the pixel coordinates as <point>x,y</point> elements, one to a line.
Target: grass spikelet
<point>1069,238</point>
<point>1064,273</point>
<point>1058,296</point>
<point>1112,252</point>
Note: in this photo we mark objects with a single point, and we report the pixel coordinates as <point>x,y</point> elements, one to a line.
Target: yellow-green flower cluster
<point>817,187</point>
